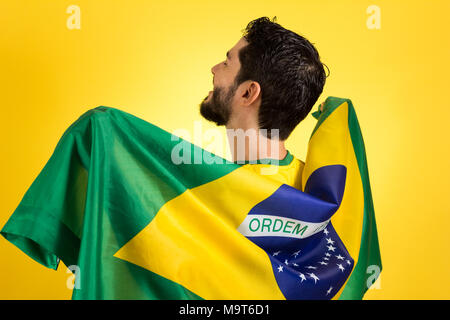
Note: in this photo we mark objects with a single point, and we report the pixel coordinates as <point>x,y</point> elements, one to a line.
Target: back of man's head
<point>287,67</point>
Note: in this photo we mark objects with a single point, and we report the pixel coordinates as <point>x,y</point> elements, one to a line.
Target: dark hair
<point>288,69</point>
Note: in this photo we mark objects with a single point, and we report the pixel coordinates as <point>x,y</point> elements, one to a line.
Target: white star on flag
<point>325,231</point>
<point>340,267</point>
<point>327,254</point>
<point>311,267</point>
<point>325,258</point>
<point>340,257</point>
<point>329,241</point>
<point>323,263</point>
<point>302,276</point>
<point>312,275</point>
<point>295,254</point>
<point>330,247</point>
<point>329,290</point>
<point>276,253</point>
<point>348,262</point>
<point>285,262</point>
<point>280,269</point>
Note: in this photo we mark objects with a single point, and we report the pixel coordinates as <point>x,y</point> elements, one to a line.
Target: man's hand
<point>321,106</point>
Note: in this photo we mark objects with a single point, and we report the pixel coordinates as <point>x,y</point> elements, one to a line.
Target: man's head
<point>270,79</point>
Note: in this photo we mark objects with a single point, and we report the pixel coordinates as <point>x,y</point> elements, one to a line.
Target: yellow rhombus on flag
<point>127,204</point>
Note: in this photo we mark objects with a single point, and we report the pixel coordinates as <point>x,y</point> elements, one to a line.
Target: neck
<point>252,145</point>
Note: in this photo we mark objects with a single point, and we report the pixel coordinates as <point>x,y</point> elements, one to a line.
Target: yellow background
<point>153,59</point>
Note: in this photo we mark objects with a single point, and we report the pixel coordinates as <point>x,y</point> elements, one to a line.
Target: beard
<point>216,107</point>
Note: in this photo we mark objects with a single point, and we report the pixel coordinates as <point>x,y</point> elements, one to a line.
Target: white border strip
<point>260,225</point>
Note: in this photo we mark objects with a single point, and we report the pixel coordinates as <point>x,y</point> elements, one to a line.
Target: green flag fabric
<point>139,213</point>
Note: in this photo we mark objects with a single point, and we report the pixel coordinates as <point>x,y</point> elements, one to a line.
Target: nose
<point>213,69</point>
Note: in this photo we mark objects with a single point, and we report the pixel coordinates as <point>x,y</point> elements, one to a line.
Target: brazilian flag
<point>140,213</point>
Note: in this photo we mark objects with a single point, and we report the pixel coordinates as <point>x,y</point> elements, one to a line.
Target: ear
<point>251,93</point>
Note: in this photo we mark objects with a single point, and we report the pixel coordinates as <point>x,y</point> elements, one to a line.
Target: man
<point>267,84</point>
<point>132,224</point>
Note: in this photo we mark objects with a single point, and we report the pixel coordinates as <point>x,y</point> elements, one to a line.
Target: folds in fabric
<point>140,225</point>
